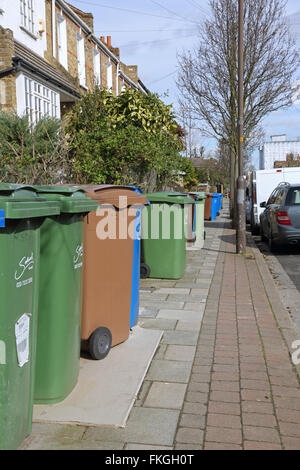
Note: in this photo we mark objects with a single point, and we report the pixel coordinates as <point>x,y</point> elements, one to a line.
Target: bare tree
<point>208,77</point>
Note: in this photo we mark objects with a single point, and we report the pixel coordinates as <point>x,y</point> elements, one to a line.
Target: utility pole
<point>241,222</point>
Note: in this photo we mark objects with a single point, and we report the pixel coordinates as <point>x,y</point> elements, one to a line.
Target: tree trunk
<point>233,183</point>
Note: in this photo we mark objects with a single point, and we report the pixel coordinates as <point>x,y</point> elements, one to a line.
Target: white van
<point>263,182</point>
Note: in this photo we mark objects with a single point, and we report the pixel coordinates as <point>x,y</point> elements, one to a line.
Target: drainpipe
<point>53,29</point>
<point>118,71</point>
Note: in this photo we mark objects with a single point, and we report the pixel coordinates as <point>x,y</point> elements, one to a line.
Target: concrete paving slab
<point>158,324</point>
<point>106,389</point>
<point>180,353</point>
<point>148,312</point>
<point>166,395</point>
<point>41,442</point>
<point>169,371</point>
<point>194,306</point>
<point>185,298</point>
<point>181,337</point>
<point>145,426</point>
<point>131,446</point>
<point>59,430</point>
<point>174,290</point>
<point>165,304</point>
<point>186,325</point>
<point>190,315</point>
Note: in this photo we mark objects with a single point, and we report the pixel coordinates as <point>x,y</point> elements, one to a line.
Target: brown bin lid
<point>109,194</point>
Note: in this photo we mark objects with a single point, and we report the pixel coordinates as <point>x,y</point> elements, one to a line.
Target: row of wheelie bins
<point>69,281</point>
<point>213,205</point>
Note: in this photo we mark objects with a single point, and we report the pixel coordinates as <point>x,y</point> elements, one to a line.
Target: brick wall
<point>103,60</point>
<point>72,31</point>
<point>8,99</point>
<point>291,162</point>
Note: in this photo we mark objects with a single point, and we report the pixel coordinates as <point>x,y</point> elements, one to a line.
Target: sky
<point>152,33</point>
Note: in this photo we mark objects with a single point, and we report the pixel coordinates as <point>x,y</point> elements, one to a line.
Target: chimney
<point>109,41</point>
<point>102,38</point>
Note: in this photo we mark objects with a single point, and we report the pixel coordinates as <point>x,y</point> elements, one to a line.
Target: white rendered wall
<point>11,18</point>
<point>277,151</point>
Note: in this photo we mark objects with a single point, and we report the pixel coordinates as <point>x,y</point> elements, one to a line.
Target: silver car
<point>280,221</point>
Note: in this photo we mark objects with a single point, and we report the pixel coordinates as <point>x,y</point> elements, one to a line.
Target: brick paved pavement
<point>222,377</point>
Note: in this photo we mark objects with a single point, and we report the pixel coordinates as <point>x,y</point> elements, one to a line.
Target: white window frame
<point>62,41</point>
<point>40,100</point>
<point>97,67</point>
<point>109,73</point>
<point>81,60</point>
<point>27,15</point>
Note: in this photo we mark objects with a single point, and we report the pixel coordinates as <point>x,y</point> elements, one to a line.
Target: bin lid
<point>71,199</point>
<point>200,195</point>
<point>110,194</point>
<point>22,202</point>
<point>170,198</point>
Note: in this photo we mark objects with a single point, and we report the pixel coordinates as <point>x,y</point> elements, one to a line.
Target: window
<point>97,68</point>
<point>27,15</point>
<point>272,197</point>
<point>293,197</point>
<point>62,41</point>
<point>40,101</point>
<point>81,59</point>
<point>109,76</point>
<point>279,197</point>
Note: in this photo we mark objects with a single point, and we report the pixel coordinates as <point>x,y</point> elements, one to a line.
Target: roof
<point>28,60</point>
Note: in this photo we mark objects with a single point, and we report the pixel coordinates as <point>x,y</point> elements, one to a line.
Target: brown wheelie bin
<point>207,207</point>
<point>108,267</point>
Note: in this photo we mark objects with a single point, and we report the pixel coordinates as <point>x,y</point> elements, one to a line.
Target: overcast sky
<point>151,33</point>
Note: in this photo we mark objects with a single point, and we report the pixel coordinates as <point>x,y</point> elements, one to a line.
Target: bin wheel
<point>145,271</point>
<point>100,343</point>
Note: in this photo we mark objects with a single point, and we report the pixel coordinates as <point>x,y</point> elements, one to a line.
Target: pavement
<point>222,376</point>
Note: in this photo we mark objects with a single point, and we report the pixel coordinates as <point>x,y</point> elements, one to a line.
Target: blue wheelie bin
<point>214,206</point>
<point>135,296</point>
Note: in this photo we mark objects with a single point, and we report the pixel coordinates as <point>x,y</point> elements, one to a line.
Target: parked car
<point>262,183</point>
<point>280,221</point>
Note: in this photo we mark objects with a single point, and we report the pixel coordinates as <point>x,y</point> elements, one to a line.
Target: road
<point>284,266</point>
<point>288,257</point>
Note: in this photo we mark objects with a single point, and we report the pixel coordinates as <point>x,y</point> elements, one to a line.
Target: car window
<point>272,198</point>
<point>280,196</point>
<point>293,197</point>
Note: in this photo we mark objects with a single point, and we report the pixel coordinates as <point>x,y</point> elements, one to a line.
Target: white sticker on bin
<point>22,332</point>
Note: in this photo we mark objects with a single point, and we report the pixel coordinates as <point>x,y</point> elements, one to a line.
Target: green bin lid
<point>71,199</point>
<point>22,202</point>
<point>170,198</point>
<point>200,194</point>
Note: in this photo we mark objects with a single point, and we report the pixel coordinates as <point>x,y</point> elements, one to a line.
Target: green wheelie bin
<point>199,217</point>
<point>164,227</point>
<point>60,294</point>
<point>22,213</point>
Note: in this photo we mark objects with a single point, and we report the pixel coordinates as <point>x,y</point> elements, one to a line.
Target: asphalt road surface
<point>288,257</point>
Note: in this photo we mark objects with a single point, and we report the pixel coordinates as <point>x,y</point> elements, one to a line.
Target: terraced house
<point>50,57</point>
